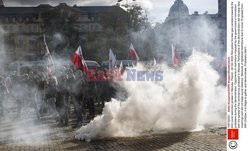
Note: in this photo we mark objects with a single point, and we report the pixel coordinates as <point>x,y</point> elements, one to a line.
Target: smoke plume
<point>20,101</point>
<point>183,101</point>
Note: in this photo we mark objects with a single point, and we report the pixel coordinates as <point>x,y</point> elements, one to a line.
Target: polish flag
<point>79,61</point>
<point>175,57</point>
<point>132,54</point>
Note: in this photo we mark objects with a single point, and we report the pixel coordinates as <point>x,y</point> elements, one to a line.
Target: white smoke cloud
<point>19,104</point>
<point>183,101</point>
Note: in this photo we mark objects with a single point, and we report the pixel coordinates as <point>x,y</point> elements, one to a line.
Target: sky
<point>157,9</point>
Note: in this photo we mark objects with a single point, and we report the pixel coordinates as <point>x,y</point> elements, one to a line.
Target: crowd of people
<point>55,93</point>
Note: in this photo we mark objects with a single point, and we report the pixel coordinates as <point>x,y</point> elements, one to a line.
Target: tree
<point>60,26</point>
<point>134,18</point>
<point>118,31</point>
<point>117,22</point>
<point>138,19</point>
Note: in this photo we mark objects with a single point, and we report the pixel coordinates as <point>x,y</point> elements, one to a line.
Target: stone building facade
<point>23,26</point>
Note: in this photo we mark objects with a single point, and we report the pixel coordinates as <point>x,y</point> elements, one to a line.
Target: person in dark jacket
<point>78,86</point>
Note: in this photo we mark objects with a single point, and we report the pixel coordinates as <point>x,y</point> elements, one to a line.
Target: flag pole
<point>47,50</point>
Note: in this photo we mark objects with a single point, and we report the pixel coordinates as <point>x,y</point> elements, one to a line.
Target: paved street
<point>45,135</point>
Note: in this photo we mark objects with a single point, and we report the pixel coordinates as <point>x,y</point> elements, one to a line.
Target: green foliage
<point>119,30</point>
<point>61,21</point>
<point>117,22</point>
<point>138,19</point>
<point>98,45</point>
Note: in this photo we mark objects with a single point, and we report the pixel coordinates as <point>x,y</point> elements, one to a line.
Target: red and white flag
<point>175,58</point>
<point>132,54</point>
<point>79,61</point>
